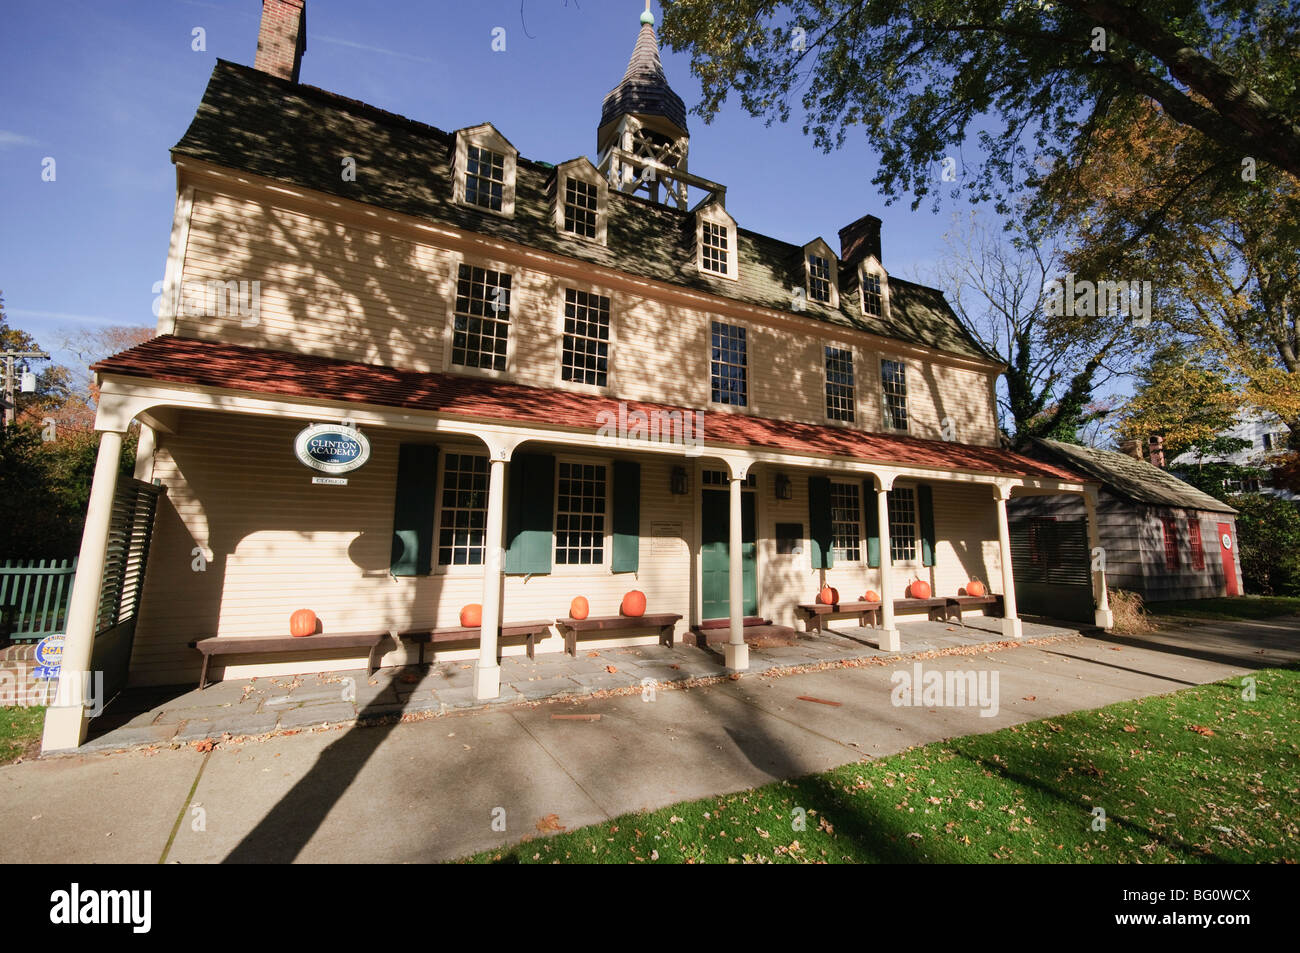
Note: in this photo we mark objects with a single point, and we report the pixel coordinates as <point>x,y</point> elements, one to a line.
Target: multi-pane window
<point>1170,527</point>
<point>714,238</point>
<point>1194,544</point>
<point>586,338</point>
<point>873,302</point>
<point>580,514</point>
<point>893,385</point>
<point>463,519</point>
<point>902,524</point>
<point>727,370</point>
<point>846,521</point>
<point>482,326</point>
<point>819,279</point>
<point>580,207</point>
<point>839,383</point>
<point>485,177</point>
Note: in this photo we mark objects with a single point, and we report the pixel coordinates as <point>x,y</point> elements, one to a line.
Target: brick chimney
<point>1156,448</point>
<point>1130,447</point>
<point>860,239</point>
<point>282,38</point>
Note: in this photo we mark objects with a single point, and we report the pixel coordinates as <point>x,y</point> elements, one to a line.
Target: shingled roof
<point>289,374</point>
<point>644,89</point>
<point>1130,477</point>
<point>260,124</point>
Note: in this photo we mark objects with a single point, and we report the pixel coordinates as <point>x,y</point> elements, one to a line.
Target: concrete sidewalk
<point>429,790</point>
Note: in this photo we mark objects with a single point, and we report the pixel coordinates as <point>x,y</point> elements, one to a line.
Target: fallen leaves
<point>551,822</point>
<point>1201,730</point>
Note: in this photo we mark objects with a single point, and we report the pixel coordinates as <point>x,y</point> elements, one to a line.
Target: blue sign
<point>332,448</point>
<point>49,657</point>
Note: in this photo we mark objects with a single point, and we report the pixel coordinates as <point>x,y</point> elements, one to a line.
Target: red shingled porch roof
<point>286,374</point>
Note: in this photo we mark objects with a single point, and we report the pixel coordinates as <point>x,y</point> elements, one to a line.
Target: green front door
<point>715,586</point>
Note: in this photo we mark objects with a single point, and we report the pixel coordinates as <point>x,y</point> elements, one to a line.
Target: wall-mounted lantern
<point>784,488</point>
<point>677,481</point>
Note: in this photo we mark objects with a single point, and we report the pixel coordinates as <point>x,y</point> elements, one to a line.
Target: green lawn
<point>1201,775</point>
<point>1238,607</point>
<point>20,732</point>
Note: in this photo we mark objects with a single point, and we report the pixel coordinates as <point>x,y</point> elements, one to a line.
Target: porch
<point>255,706</point>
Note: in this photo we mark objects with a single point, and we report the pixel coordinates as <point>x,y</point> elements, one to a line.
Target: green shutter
<point>530,513</point>
<point>414,506</point>
<point>873,523</point>
<point>627,516</point>
<point>819,522</point>
<point>925,514</point>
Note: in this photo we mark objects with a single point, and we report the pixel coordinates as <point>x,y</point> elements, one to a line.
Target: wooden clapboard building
<point>580,378</point>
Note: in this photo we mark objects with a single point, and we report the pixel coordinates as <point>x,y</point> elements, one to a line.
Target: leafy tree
<point>1268,540</point>
<point>919,78</point>
<point>1185,402</point>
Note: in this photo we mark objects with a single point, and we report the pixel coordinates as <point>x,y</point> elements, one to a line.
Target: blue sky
<point>106,87</point>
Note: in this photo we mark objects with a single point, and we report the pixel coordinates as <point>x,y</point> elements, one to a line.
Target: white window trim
<point>449,328</point>
<point>907,392</point>
<point>583,171</point>
<point>584,388</point>
<point>485,137</point>
<point>451,569</point>
<point>748,407</point>
<point>856,422</point>
<point>870,266</point>
<point>718,215</point>
<point>606,551</point>
<point>861,561</point>
<point>821,249</point>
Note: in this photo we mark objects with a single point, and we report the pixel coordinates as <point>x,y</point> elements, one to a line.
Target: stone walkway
<point>262,705</point>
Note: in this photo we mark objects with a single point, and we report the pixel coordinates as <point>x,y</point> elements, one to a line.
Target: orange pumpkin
<point>579,607</point>
<point>471,615</point>
<point>974,588</point>
<point>919,590</point>
<point>871,596</point>
<point>633,604</point>
<point>828,596</point>
<point>302,623</point>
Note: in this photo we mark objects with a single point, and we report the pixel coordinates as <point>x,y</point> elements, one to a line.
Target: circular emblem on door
<point>1227,541</point>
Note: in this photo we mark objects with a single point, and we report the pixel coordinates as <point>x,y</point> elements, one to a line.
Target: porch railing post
<point>487,674</point>
<point>1011,625</point>
<point>66,720</point>
<point>1103,617</point>
<point>737,652</point>
<point>890,640</point>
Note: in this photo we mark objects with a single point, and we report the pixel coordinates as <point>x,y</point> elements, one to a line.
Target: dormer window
<point>580,201</point>
<point>483,170</point>
<point>485,178</point>
<point>821,269</point>
<point>715,240</point>
<point>873,283</point>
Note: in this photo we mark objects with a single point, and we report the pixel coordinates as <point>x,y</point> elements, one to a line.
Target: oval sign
<point>331,448</point>
<point>1227,541</point>
<point>49,651</point>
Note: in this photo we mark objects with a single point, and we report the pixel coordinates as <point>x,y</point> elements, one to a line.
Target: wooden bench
<point>266,644</point>
<point>814,612</point>
<point>932,604</point>
<point>529,630</point>
<point>957,603</point>
<point>664,622</point>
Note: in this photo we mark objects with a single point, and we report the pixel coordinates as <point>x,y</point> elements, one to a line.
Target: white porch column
<point>144,450</point>
<point>737,652</point>
<point>487,674</point>
<point>1104,618</point>
<point>66,720</point>
<point>1011,625</point>
<point>889,638</point>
